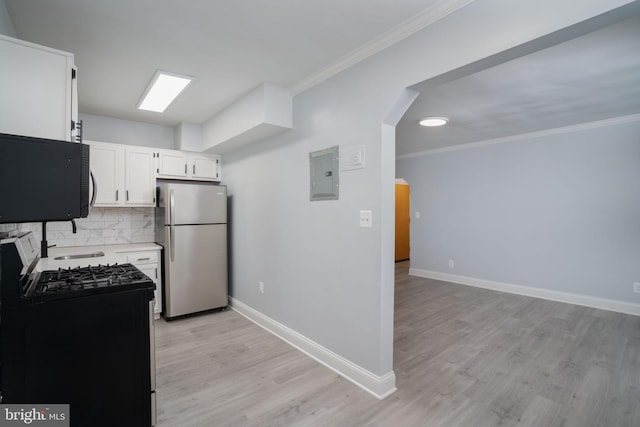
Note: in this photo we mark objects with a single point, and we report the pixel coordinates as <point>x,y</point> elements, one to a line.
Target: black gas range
<point>81,336</point>
<point>91,280</point>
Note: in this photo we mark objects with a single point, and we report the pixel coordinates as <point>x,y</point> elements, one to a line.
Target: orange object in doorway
<point>403,215</point>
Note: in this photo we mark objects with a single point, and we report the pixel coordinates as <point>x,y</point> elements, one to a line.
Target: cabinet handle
<point>127,195</point>
<point>185,168</point>
<point>194,169</point>
<point>156,273</point>
<point>116,195</point>
<point>143,259</point>
<point>172,224</point>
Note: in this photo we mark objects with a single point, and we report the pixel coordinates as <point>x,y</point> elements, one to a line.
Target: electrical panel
<point>324,166</point>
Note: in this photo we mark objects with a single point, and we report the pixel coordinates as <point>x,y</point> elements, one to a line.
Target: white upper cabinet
<point>140,179</point>
<point>205,167</point>
<point>171,164</point>
<point>107,167</point>
<point>187,165</point>
<point>37,87</point>
<point>124,175</point>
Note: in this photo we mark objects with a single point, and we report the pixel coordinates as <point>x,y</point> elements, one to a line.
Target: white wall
<point>324,276</point>
<point>188,137</point>
<point>558,211</point>
<point>109,129</point>
<point>6,24</point>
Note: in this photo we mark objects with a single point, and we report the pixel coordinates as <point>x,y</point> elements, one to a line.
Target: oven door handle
<point>172,232</point>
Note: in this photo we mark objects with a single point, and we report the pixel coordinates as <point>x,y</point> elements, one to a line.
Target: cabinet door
<point>106,165</point>
<point>204,167</point>
<point>140,181</point>
<point>76,131</point>
<point>151,270</point>
<point>36,90</point>
<point>172,164</point>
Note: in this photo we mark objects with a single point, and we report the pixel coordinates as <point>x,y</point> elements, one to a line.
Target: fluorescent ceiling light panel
<point>434,121</point>
<point>163,89</point>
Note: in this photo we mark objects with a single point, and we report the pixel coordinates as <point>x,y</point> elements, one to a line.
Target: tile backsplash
<point>103,226</point>
<point>7,227</point>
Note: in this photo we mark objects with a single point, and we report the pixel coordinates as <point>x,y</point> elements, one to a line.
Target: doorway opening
<point>403,220</point>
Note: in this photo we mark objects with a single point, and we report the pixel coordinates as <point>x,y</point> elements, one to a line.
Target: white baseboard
<point>379,387</point>
<point>587,301</point>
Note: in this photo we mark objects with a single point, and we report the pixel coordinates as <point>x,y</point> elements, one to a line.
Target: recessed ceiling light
<point>162,90</point>
<point>434,121</point>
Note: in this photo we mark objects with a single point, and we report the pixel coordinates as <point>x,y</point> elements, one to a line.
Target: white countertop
<point>112,254</point>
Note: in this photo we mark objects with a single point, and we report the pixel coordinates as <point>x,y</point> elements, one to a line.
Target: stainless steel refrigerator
<point>191,225</point>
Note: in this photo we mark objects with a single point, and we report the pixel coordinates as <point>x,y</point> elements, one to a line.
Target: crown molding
<point>437,11</point>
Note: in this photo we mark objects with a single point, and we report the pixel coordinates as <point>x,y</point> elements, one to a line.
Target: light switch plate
<point>365,219</point>
<point>352,157</point>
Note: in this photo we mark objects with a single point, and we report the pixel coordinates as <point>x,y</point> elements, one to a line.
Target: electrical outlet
<point>261,286</point>
<point>636,287</point>
<point>451,263</point>
<point>417,214</point>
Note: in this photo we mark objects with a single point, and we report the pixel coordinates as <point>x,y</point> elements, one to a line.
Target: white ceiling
<point>229,46</point>
<point>593,77</point>
<point>233,46</point>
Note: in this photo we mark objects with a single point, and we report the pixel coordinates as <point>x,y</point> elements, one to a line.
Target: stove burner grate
<point>86,278</point>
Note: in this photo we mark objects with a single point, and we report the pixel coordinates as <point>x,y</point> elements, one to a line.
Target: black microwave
<point>42,179</point>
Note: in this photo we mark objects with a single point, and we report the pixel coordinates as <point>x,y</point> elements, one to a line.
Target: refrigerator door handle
<point>172,213</point>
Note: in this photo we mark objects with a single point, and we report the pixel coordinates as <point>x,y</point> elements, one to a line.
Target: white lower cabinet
<point>149,263</point>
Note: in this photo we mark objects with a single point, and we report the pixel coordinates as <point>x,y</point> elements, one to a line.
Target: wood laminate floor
<point>462,356</point>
